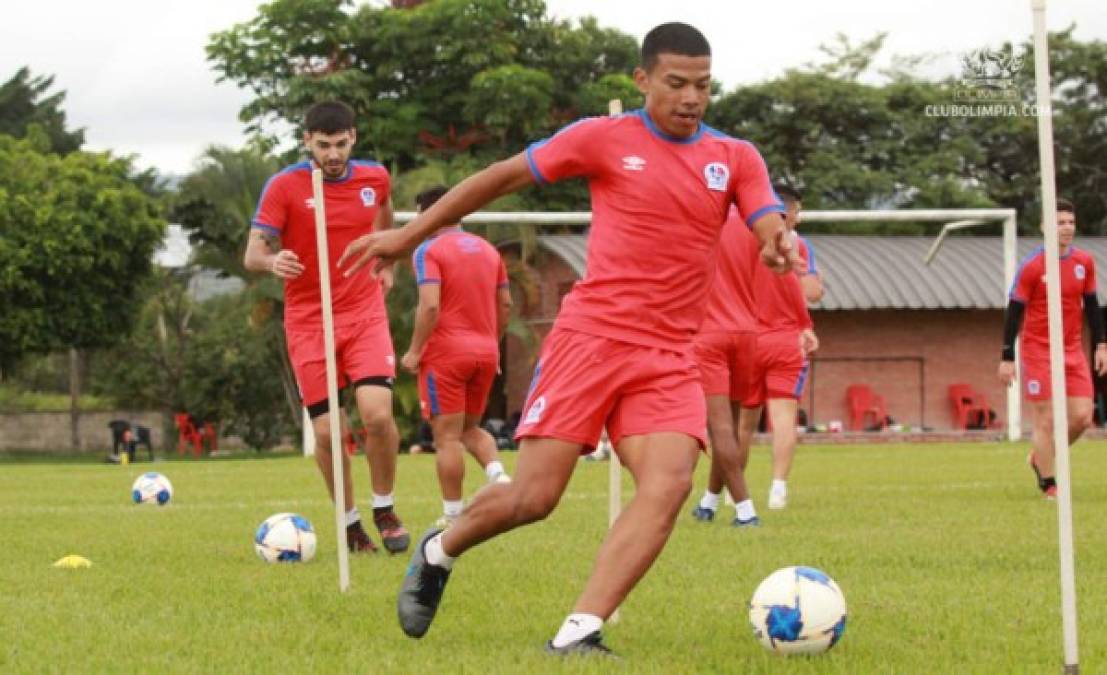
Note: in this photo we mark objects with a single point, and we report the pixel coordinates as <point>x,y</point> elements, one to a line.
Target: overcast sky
<point>137,80</point>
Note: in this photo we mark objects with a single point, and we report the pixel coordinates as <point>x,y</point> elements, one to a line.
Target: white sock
<point>352,516</point>
<point>577,626</point>
<point>744,509</point>
<point>494,469</point>
<point>709,500</point>
<point>380,501</point>
<point>451,509</point>
<point>435,555</point>
<point>780,487</point>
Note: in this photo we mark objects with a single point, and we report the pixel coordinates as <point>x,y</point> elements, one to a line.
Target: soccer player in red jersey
<point>464,305</point>
<point>1028,299</point>
<point>282,242</point>
<point>785,338</point>
<point>620,352</point>
<point>725,349</point>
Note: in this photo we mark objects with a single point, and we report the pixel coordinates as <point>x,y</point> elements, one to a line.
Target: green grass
<point>947,557</point>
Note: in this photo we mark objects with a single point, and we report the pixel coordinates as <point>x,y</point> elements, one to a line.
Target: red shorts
<point>362,350</point>
<point>456,384</point>
<point>780,371</point>
<point>726,363</point>
<point>1036,381</point>
<point>584,383</point>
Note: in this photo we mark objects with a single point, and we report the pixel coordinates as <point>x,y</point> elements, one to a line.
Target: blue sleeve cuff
<point>538,177</point>
<point>756,215</point>
<point>429,281</point>
<point>267,228</point>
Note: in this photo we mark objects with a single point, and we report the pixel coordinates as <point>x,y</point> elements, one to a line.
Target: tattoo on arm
<point>272,241</point>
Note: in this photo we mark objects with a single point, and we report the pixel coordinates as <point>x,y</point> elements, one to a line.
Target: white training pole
<point>614,466</point>
<point>332,379</point>
<point>1056,354</point>
<point>1014,390</point>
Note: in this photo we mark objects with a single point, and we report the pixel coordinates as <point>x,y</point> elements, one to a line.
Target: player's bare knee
<point>533,505</point>
<point>377,422</point>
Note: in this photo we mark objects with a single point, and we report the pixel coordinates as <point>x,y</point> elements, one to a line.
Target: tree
<point>408,83</point>
<point>21,107</point>
<point>76,240</point>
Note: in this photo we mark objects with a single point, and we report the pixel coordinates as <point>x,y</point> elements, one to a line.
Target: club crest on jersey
<point>717,176</point>
<point>1079,271</point>
<point>1033,387</point>
<point>633,163</point>
<point>368,196</point>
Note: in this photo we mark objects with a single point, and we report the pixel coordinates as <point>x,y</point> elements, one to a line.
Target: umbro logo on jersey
<point>310,203</point>
<point>368,196</point>
<point>717,176</point>
<point>633,163</point>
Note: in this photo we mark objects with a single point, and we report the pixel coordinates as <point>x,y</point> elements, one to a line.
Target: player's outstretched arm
<point>469,195</point>
<point>777,248</point>
<point>1012,322</point>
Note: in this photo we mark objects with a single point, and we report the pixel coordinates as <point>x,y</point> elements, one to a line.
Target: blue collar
<point>648,121</point>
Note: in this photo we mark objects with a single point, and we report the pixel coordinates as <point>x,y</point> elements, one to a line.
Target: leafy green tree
<point>76,240</point>
<point>22,105</point>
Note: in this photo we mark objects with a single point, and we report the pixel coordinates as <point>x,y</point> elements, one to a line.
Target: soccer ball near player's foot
<point>798,610</point>
<point>151,488</point>
<point>285,537</point>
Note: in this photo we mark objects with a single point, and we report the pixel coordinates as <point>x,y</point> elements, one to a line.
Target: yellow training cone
<point>72,562</point>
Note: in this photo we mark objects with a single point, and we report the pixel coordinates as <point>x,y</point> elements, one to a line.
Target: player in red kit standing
<point>620,352</point>
<point>282,242</point>
<point>725,350</point>
<point>1027,309</point>
<point>464,305</point>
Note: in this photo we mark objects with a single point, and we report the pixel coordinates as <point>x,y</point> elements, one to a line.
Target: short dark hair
<point>672,38</point>
<point>1066,206</point>
<point>787,192</point>
<point>428,197</point>
<point>329,117</point>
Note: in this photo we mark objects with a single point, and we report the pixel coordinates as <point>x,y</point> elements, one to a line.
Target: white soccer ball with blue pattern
<point>152,488</point>
<point>285,537</point>
<point>798,610</point>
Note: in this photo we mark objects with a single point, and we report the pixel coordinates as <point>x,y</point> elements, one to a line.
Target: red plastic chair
<point>863,404</point>
<point>968,406</point>
<point>188,434</point>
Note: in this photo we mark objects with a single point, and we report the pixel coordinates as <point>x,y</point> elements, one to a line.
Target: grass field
<point>947,557</point>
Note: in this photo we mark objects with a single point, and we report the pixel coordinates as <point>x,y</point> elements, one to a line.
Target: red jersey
<point>731,307</point>
<point>1029,287</point>
<point>286,208</point>
<point>658,205</point>
<point>780,302</point>
<point>470,272</point>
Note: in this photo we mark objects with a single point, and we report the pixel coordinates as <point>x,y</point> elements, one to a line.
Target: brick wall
<point>955,346</point>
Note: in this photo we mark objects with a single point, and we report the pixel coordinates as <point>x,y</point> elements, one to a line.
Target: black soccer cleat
<point>421,590</point>
<point>703,515</point>
<point>591,644</point>
<point>394,535</point>
<point>357,540</point>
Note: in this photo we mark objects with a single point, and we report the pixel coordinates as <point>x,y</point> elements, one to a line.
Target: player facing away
<point>1027,309</point>
<point>785,338</point>
<point>811,279</point>
<point>282,242</point>
<point>620,351</point>
<point>725,348</point>
<point>464,305</point>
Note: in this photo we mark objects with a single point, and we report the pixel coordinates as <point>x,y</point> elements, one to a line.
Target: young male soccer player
<point>282,242</point>
<point>464,305</point>
<point>1028,298</point>
<point>810,278</point>
<point>620,352</point>
<point>785,338</point>
<point>725,349</point>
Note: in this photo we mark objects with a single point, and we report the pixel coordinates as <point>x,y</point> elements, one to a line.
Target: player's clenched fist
<point>286,265</point>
